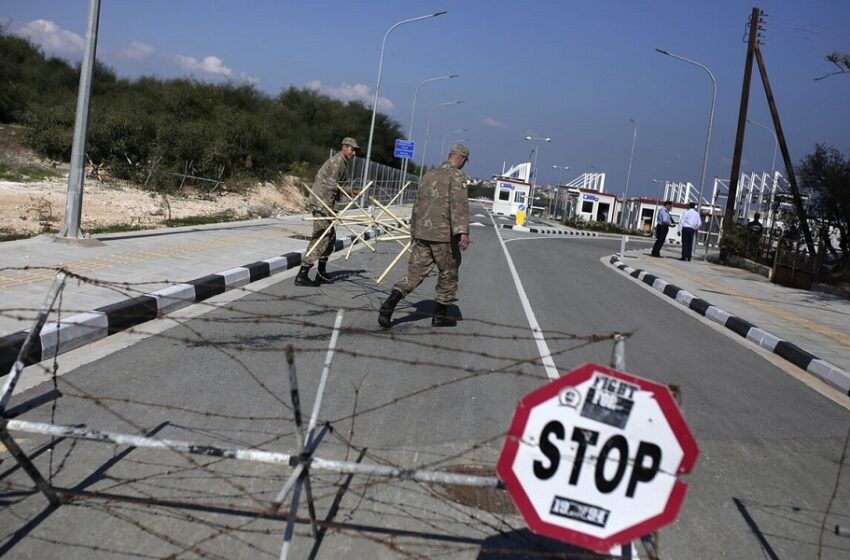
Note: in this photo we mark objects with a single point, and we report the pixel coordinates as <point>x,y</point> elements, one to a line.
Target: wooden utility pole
<point>753,50</point>
<point>729,214</point>
<point>789,166</point>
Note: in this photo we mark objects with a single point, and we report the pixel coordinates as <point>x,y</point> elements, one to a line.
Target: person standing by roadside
<point>755,226</point>
<point>333,173</point>
<point>688,227</point>
<point>663,221</point>
<point>439,228</point>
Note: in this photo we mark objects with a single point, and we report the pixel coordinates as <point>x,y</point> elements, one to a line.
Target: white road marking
<point>542,347</point>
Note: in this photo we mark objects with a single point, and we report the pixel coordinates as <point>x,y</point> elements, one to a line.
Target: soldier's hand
<point>463,242</point>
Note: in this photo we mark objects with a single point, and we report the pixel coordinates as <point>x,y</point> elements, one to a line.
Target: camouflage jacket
<point>442,205</point>
<point>332,173</point>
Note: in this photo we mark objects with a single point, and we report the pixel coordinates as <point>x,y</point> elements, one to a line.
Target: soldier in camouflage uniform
<point>332,173</point>
<point>439,228</point>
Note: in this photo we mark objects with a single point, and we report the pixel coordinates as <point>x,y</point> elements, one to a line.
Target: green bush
<point>742,243</point>
<point>149,129</point>
<point>603,227</point>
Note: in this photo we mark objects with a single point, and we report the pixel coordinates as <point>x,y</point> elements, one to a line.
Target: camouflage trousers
<point>425,255</point>
<point>324,247</point>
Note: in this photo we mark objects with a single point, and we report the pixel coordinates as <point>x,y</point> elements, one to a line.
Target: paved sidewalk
<point>816,322</point>
<point>146,260</point>
<point>138,275</point>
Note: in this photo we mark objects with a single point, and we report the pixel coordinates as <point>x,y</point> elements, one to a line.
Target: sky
<point>575,71</point>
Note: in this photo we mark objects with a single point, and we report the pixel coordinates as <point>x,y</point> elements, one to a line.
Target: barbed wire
<point>156,494</point>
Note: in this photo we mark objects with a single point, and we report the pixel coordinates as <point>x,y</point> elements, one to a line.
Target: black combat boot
<point>322,274</point>
<point>441,318</point>
<point>386,313</point>
<point>303,279</point>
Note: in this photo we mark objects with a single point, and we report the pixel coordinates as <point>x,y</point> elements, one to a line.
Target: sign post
<point>593,458</point>
<point>404,148</point>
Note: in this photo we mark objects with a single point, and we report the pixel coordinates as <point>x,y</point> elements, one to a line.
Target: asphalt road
<point>419,397</point>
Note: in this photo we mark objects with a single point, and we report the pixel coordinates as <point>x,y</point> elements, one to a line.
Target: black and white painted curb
<point>832,375</point>
<point>550,231</point>
<point>81,329</point>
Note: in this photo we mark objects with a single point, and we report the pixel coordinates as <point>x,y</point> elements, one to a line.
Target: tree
<point>825,176</point>
<point>841,60</point>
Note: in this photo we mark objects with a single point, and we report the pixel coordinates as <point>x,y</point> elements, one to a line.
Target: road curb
<point>823,370</point>
<point>550,231</point>
<point>83,328</point>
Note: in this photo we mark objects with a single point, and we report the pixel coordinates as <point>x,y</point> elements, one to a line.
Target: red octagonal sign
<point>593,457</point>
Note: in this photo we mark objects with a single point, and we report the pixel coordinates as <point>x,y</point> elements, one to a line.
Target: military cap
<point>349,141</point>
<point>460,150</point>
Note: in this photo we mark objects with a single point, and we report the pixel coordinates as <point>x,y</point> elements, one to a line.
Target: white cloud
<point>490,121</point>
<point>210,65</point>
<point>51,37</point>
<point>355,92</point>
<point>248,79</point>
<point>136,50</point>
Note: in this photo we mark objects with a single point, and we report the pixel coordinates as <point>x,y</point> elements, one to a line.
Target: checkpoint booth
<point>510,195</point>
<point>595,206</point>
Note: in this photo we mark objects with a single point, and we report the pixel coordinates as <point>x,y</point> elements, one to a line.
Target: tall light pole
<point>623,219</point>
<point>76,177</point>
<point>775,144</point>
<point>657,199</point>
<point>561,169</point>
<point>378,89</point>
<point>413,113</point>
<point>534,172</point>
<point>428,131</point>
<point>446,137</point>
<point>770,213</point>
<point>710,118</point>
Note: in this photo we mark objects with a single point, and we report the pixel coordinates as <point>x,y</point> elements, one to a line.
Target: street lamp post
<point>710,118</point>
<point>561,169</point>
<point>76,177</point>
<point>623,219</point>
<point>428,132</point>
<point>771,214</point>
<point>657,200</point>
<point>775,143</point>
<point>378,89</point>
<point>443,147</point>
<point>413,113</point>
<point>534,172</point>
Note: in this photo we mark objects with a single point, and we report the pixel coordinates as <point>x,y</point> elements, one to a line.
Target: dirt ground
<point>39,206</point>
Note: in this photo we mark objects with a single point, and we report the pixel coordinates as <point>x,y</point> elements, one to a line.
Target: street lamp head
<point>454,75</point>
<point>662,51</point>
<point>528,137</point>
<point>547,139</point>
<point>440,13</point>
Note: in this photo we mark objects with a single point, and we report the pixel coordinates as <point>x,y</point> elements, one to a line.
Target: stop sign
<point>592,458</point>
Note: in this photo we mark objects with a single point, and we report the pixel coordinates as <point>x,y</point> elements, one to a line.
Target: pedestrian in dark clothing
<point>755,226</point>
<point>663,221</point>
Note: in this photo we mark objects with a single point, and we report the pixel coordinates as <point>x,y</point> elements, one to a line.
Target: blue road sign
<point>404,148</point>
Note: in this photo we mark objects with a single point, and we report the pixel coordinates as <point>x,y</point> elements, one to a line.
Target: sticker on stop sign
<point>593,457</point>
